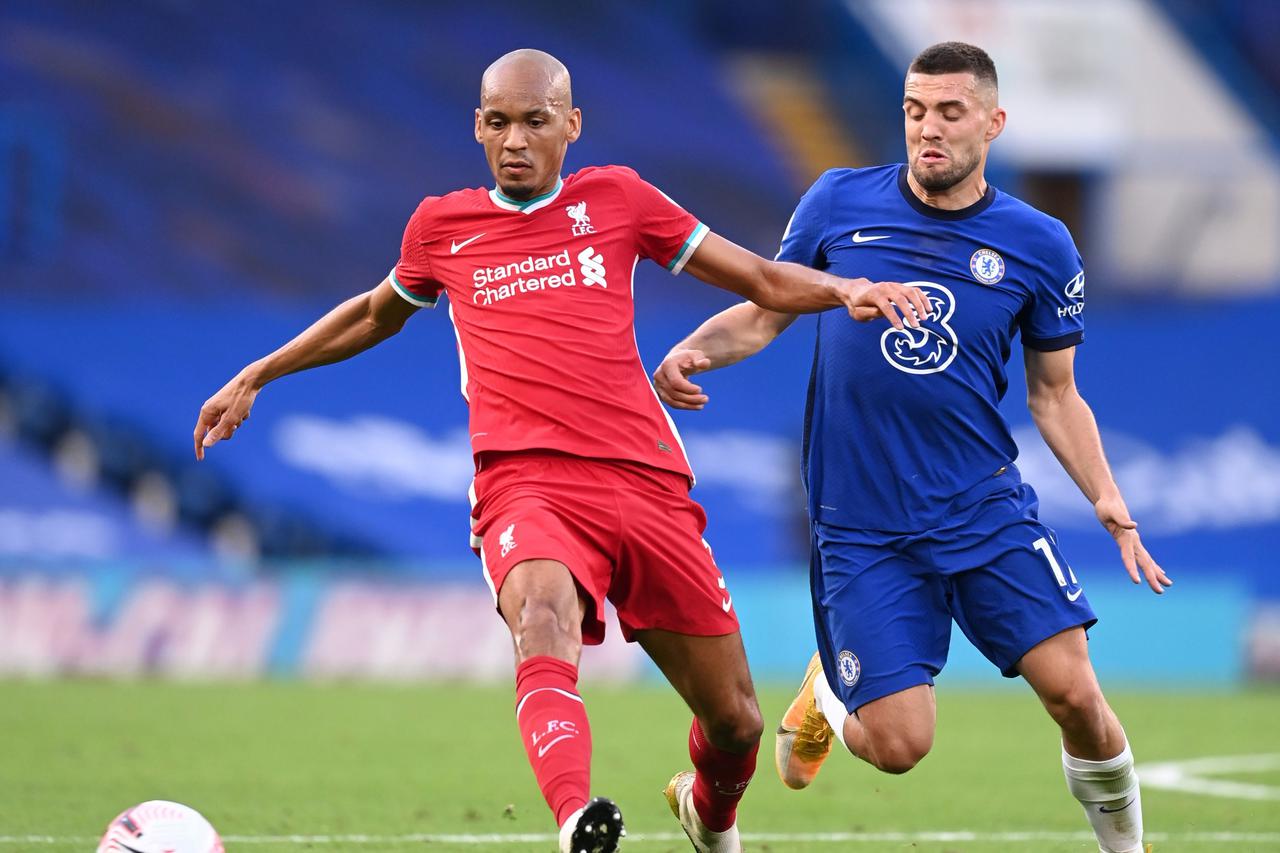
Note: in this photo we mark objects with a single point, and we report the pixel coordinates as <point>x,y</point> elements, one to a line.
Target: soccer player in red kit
<point>582,486</point>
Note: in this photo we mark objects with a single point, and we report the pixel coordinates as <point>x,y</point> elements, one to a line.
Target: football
<point>159,826</point>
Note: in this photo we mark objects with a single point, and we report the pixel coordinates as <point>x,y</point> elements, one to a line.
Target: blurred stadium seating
<point>184,186</point>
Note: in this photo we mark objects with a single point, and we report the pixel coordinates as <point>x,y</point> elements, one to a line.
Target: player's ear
<point>997,124</point>
<point>575,125</point>
<point>478,137</point>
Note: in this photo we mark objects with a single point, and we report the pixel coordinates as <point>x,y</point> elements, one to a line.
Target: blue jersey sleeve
<point>802,241</point>
<point>1053,317</point>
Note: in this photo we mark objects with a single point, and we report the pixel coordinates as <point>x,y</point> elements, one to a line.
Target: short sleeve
<point>666,233</point>
<point>802,241</point>
<point>411,276</point>
<point>1053,317</point>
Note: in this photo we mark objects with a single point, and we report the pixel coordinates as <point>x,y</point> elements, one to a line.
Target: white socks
<point>831,706</point>
<point>1108,790</point>
<point>566,831</point>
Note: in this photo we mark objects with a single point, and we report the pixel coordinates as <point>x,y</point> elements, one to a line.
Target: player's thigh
<point>1022,592</point>
<point>666,577</point>
<point>1060,672</point>
<point>881,619</point>
<point>1057,660</point>
<point>523,526</point>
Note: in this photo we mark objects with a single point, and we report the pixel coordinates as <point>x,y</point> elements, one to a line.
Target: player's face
<point>950,121</point>
<point>525,126</point>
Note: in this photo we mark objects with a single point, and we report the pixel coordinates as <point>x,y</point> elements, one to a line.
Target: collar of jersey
<point>529,206</point>
<point>938,213</point>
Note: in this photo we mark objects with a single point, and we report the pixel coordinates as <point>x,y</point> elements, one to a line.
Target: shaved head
<point>526,121</point>
<point>529,72</point>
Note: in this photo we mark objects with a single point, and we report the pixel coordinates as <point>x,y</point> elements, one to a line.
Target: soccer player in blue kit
<point>918,514</point>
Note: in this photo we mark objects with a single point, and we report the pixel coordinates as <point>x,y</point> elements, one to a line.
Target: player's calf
<point>893,733</point>
<point>1096,759</point>
<point>1089,726</point>
<point>538,599</point>
<point>1098,764</point>
<point>555,732</point>
<point>1112,800</point>
<point>722,775</point>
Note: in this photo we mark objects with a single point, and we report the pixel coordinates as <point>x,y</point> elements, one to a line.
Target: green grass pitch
<point>267,760</point>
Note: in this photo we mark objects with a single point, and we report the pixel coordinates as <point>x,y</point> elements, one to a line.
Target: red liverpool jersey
<point>540,295</point>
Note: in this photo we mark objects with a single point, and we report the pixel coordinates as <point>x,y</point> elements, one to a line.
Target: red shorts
<point>626,531</point>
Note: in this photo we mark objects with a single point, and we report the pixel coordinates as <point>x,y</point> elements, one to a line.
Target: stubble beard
<point>935,181</point>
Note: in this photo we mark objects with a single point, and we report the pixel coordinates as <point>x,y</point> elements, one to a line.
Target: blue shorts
<point>883,602</point>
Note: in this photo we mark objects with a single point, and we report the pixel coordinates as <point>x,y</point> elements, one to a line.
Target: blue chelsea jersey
<point>899,424</point>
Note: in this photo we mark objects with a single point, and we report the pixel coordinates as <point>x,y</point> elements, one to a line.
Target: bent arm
<point>777,293</point>
<point>1066,421</point>
<point>349,329</point>
<point>726,338</point>
<point>361,322</point>
<point>735,333</point>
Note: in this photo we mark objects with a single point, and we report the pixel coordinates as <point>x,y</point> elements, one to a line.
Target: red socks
<point>721,779</point>
<point>557,738</point>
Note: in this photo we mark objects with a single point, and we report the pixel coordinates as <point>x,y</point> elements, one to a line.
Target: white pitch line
<point>1030,837</point>
<point>1192,776</point>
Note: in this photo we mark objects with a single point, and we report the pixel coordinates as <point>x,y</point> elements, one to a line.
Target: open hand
<point>1114,516</point>
<point>898,303</point>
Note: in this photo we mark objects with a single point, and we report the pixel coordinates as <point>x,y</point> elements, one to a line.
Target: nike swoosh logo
<point>858,238</point>
<point>455,246</point>
<point>1106,810</point>
<point>1072,596</point>
<point>542,750</point>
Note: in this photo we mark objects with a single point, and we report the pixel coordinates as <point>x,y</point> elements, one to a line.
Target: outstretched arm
<point>1068,426</point>
<point>347,330</point>
<point>778,292</point>
<point>794,289</point>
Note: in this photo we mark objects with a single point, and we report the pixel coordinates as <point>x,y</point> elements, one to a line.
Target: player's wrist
<point>1107,496</point>
<point>254,376</point>
<point>845,291</point>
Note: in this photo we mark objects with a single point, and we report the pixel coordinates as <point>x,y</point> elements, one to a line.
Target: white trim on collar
<point>529,206</point>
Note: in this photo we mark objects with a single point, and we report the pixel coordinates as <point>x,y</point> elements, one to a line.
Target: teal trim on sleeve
<point>412,298</point>
<point>686,249</point>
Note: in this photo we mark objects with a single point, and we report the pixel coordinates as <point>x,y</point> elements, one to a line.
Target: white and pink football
<point>159,826</point>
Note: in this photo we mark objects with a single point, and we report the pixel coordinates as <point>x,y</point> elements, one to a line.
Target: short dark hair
<point>953,57</point>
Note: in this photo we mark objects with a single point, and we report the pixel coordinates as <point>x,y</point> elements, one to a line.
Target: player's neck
<point>968,192</point>
<point>529,197</point>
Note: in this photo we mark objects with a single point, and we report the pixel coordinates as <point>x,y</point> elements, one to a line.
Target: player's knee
<point>1078,708</point>
<point>898,752</point>
<point>737,729</point>
<point>543,629</point>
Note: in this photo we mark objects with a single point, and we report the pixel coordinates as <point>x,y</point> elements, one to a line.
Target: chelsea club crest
<point>849,667</point>
<point>987,266</point>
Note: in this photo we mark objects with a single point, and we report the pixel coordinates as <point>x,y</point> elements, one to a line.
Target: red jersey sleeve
<point>666,233</point>
<point>411,276</point>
